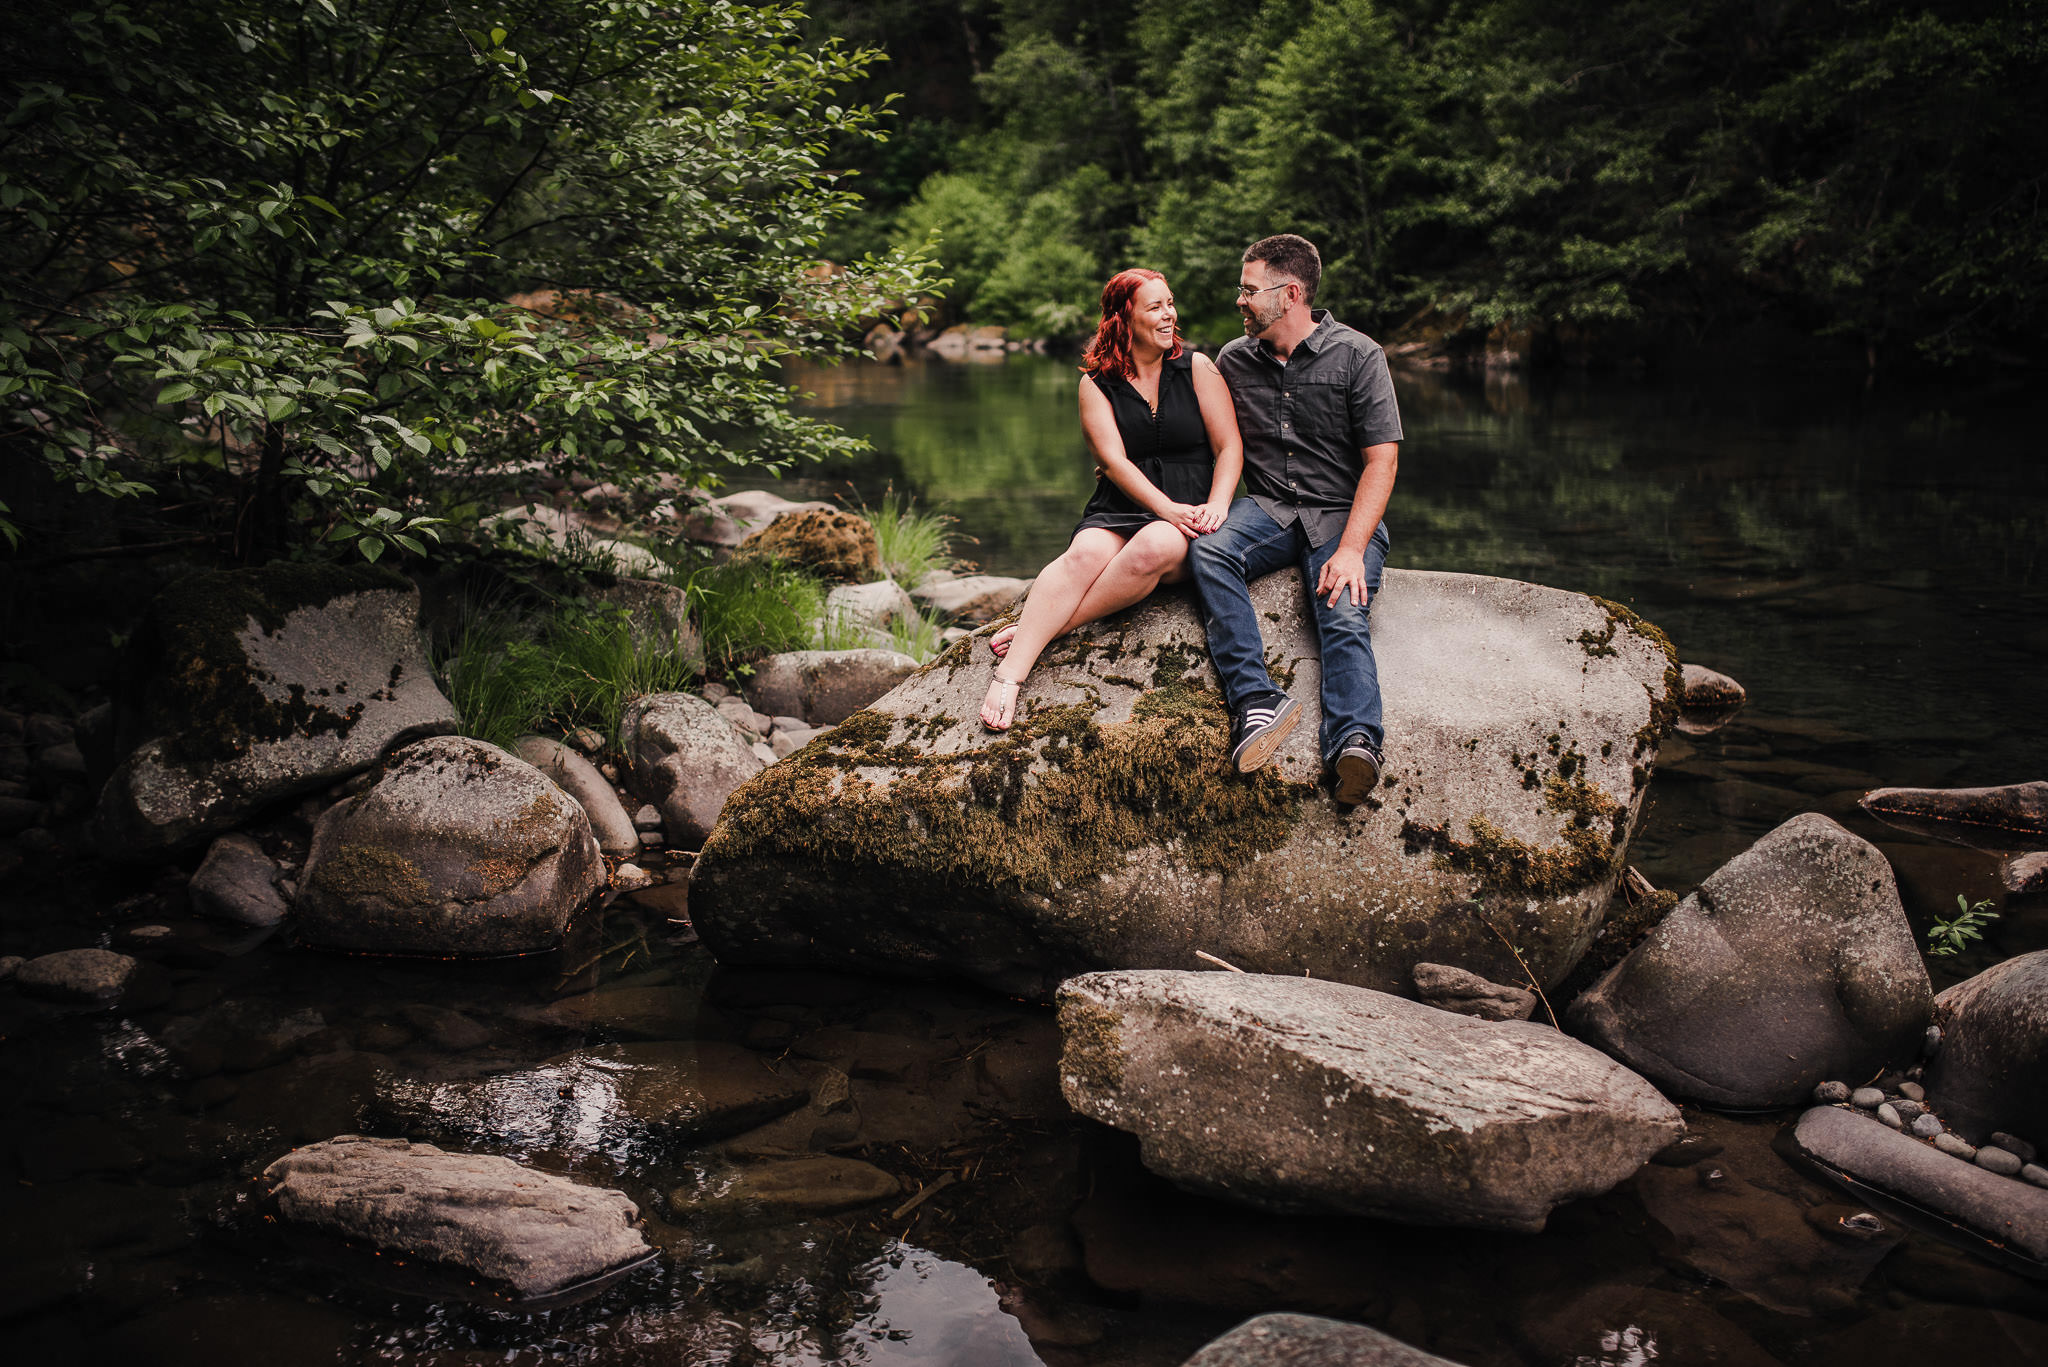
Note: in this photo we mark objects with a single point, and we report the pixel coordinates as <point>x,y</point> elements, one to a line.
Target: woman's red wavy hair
<point>1110,349</point>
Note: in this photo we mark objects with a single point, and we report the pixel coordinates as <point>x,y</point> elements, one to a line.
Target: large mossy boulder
<point>1294,1095</point>
<point>1105,829</point>
<point>1792,964</point>
<point>244,687</point>
<point>457,848</point>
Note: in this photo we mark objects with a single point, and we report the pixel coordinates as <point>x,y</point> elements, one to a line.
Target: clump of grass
<point>911,541</point>
<point>550,668</point>
<point>747,608</point>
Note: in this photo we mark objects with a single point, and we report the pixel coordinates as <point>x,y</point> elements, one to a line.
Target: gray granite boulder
<point>688,758</point>
<point>972,598</point>
<point>1105,829</point>
<point>1283,1340</point>
<point>2025,874</point>
<point>579,778</point>
<point>237,882</point>
<point>2002,1209</point>
<point>249,686</point>
<point>457,848</point>
<point>825,687</point>
<point>537,1235</point>
<point>1293,1094</point>
<point>1991,1072</point>
<point>2008,819</point>
<point>870,606</point>
<point>1792,964</point>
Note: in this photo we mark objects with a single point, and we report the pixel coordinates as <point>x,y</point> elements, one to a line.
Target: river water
<point>1869,565</point>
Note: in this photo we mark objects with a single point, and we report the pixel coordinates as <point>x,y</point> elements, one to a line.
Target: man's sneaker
<point>1256,732</point>
<point>1358,771</point>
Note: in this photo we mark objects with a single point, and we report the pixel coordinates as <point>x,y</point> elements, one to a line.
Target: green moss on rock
<point>835,545</point>
<point>359,872</point>
<point>1091,1044</point>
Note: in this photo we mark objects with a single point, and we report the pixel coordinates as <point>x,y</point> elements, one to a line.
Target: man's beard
<point>1257,320</point>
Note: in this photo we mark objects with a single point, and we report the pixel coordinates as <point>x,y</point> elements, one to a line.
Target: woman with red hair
<point>1167,453</point>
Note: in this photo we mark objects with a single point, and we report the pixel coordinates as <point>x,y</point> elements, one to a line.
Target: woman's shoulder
<point>1200,361</point>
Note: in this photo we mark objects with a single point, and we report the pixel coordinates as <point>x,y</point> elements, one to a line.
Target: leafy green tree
<point>286,237</point>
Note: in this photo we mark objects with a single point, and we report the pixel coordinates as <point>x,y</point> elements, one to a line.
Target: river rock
<point>1105,829</point>
<point>1991,1072</point>
<point>970,597</point>
<point>237,881</point>
<point>579,778</point>
<point>825,687</point>
<point>2025,874</point>
<point>537,1234</point>
<point>1793,963</point>
<point>686,1090</point>
<point>1710,700</point>
<point>571,531</point>
<point>1286,1340</point>
<point>793,1190</point>
<point>687,758</point>
<point>457,848</point>
<point>2005,819</point>
<point>1998,1208</point>
<point>871,606</point>
<point>82,977</point>
<point>1293,1094</point>
<point>1468,994</point>
<point>730,520</point>
<point>658,615</point>
<point>245,687</point>
<point>831,544</point>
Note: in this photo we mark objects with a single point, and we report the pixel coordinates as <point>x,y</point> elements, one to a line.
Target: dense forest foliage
<point>356,265</point>
<point>1581,172</point>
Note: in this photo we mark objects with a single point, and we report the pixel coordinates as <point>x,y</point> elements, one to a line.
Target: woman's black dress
<point>1170,447</point>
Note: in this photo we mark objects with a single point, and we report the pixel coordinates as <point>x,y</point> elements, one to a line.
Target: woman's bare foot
<point>999,708</point>
<point>999,644</point>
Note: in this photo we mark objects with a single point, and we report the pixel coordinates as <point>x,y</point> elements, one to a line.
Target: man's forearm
<point>1369,503</point>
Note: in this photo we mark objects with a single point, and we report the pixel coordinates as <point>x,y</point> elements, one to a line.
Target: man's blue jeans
<point>1251,544</point>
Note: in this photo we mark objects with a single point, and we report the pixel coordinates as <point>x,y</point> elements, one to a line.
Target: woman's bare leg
<point>1058,591</point>
<point>1156,554</point>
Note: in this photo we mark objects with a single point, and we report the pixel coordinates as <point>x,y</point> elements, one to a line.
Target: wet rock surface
<point>2009,818</point>
<point>688,758</point>
<point>1293,1094</point>
<point>457,848</point>
<point>248,686</point>
<point>788,1190</point>
<point>1103,830</point>
<point>237,882</point>
<point>537,1234</point>
<point>1283,1340</point>
<point>78,977</point>
<point>825,687</point>
<point>1991,1071</point>
<point>1792,964</point>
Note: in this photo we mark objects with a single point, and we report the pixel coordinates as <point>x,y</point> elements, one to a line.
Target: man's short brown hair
<point>1288,254</point>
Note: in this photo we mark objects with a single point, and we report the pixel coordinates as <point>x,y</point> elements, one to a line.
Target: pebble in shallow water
<point>1999,1161</point>
<point>1890,1117</point>
<point>1952,1144</point>
<point>1831,1093</point>
<point>1926,1126</point>
<point>1866,1098</point>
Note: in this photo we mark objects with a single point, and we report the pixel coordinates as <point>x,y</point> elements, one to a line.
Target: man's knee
<point>1210,555</point>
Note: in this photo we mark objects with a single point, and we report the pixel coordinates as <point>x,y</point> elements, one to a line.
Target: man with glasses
<point>1321,444</point>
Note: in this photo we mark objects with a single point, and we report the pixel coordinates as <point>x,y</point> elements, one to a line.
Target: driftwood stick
<point>925,1192</point>
<point>1220,963</point>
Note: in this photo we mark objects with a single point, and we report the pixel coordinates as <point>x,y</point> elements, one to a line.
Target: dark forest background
<point>1578,177</point>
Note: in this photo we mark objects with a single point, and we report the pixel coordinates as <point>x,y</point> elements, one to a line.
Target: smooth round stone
<point>1953,1144</point>
<point>1890,1117</point>
<point>1912,1091</point>
<point>2012,1143</point>
<point>2035,1173</point>
<point>1926,1126</point>
<point>1831,1093</point>
<point>1909,1111</point>
<point>1866,1098</point>
<point>1930,1042</point>
<point>1999,1161</point>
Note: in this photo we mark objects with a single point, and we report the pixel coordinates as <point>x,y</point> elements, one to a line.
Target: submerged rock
<point>1282,1340</point>
<point>249,686</point>
<point>1292,1094</point>
<point>457,848</point>
<point>1792,964</point>
<point>792,1190</point>
<point>825,687</point>
<point>687,758</point>
<point>2007,819</point>
<point>535,1234</point>
<point>1106,830</point>
<point>690,1090</point>
<point>1997,1208</point>
<point>1991,1072</point>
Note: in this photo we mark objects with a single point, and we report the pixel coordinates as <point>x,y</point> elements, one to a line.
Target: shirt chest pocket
<point>1316,406</point>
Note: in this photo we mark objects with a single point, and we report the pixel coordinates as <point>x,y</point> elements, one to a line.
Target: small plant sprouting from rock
<point>1949,934</point>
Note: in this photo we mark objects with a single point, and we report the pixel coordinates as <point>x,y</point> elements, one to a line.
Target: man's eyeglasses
<point>1247,292</point>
